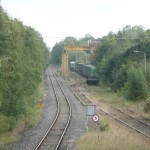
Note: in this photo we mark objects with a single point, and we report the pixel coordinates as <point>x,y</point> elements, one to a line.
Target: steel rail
<point>111,115</point>
<point>77,97</point>
<point>132,117</point>
<point>53,123</point>
<point>70,115</point>
<point>123,122</point>
<point>139,114</point>
<point>56,117</point>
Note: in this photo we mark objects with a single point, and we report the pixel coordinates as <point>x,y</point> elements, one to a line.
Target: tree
<point>56,53</point>
<point>136,87</point>
<point>23,57</point>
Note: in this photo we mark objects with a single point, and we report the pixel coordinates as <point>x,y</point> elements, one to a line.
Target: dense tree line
<point>23,58</point>
<point>80,56</point>
<point>119,65</point>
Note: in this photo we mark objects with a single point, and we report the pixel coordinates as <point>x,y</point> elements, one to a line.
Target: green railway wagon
<point>89,71</point>
<point>79,68</point>
<point>72,65</point>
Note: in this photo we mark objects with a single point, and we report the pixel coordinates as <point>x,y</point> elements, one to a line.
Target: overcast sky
<point>56,19</point>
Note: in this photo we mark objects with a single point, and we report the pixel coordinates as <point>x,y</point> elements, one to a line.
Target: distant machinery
<point>64,66</point>
<point>86,70</point>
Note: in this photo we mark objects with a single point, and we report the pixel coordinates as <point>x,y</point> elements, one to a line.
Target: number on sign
<point>95,118</point>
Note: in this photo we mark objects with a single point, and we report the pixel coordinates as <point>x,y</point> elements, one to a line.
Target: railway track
<point>128,117</point>
<point>81,79</point>
<point>133,122</point>
<point>139,117</point>
<point>56,132</point>
<point>80,95</point>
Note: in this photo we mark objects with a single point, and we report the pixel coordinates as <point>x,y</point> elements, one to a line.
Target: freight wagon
<point>72,65</point>
<point>88,71</point>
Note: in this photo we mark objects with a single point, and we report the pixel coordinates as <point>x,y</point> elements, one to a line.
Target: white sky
<point>56,19</point>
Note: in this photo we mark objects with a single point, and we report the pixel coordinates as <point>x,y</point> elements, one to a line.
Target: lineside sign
<point>90,110</point>
<point>95,118</point>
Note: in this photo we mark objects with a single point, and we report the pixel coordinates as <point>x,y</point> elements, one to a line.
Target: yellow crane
<point>64,65</point>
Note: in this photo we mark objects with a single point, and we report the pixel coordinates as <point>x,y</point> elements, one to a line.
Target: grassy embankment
<point>29,120</point>
<point>113,136</point>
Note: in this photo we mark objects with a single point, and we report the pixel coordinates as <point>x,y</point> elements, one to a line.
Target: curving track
<point>56,132</point>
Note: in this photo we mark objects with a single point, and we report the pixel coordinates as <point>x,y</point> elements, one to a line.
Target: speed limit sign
<point>95,118</point>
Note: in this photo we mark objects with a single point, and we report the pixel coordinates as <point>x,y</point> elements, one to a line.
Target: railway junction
<point>64,117</point>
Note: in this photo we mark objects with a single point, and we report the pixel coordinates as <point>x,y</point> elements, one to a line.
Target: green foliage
<point>7,123</point>
<point>119,78</point>
<point>23,58</point>
<point>147,106</point>
<point>136,87</point>
<point>4,125</point>
<point>104,125</point>
<point>84,41</point>
<point>119,75</point>
<point>31,117</point>
<point>12,123</point>
<point>114,56</point>
<point>56,54</point>
<point>79,56</point>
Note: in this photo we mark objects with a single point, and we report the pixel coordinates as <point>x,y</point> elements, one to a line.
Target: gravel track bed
<point>78,122</point>
<point>30,137</point>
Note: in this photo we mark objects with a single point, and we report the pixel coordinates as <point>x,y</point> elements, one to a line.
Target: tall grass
<point>113,137</point>
<point>109,140</point>
<point>5,139</point>
<point>32,117</point>
<point>106,95</point>
<point>7,123</point>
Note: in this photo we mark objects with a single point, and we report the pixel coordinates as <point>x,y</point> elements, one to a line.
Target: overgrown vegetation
<point>23,58</point>
<point>104,124</point>
<point>135,86</point>
<point>79,56</point>
<point>115,56</point>
<point>118,64</point>
<point>109,133</point>
<point>110,140</point>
